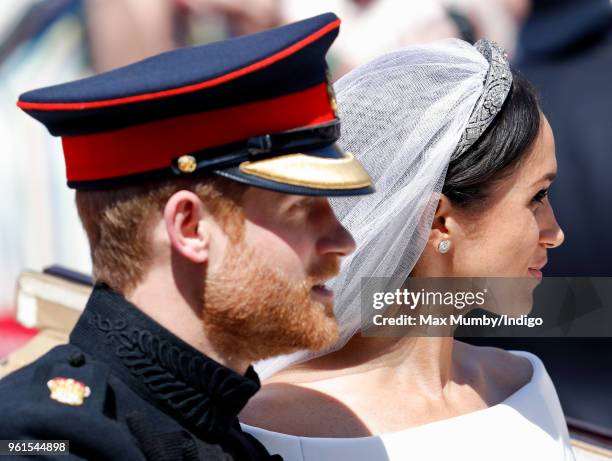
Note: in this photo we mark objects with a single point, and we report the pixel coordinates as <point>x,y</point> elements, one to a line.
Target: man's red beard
<point>253,311</point>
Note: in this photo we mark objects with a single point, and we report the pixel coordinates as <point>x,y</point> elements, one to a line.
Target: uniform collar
<point>203,395</point>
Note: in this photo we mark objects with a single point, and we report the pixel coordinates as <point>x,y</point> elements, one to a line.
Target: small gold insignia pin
<point>187,163</point>
<point>68,391</point>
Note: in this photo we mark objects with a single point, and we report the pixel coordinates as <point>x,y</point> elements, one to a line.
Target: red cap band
<point>153,145</point>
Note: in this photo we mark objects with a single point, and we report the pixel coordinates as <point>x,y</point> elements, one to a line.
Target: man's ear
<point>189,234</point>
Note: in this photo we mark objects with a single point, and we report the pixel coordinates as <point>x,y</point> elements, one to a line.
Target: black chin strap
<point>261,147</point>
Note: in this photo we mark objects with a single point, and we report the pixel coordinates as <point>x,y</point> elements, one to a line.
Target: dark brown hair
<point>499,151</point>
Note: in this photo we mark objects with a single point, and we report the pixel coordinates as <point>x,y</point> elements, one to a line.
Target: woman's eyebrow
<point>548,176</point>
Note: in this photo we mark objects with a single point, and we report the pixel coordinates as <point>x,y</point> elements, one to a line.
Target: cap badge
<point>187,164</point>
<point>68,391</point>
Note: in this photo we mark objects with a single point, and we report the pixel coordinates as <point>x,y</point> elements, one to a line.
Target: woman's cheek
<point>527,243</point>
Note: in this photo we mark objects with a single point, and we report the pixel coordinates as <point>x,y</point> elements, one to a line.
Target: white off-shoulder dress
<point>528,425</point>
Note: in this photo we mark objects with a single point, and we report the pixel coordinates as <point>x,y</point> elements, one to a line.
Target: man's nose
<point>340,242</point>
<point>336,239</point>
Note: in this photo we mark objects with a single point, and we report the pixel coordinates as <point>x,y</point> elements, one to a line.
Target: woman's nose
<point>551,234</point>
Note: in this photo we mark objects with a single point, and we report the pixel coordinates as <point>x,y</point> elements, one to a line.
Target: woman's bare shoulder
<point>273,407</point>
<point>301,411</point>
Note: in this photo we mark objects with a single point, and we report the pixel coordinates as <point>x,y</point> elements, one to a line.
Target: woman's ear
<point>445,226</point>
<point>187,226</point>
<point>439,226</point>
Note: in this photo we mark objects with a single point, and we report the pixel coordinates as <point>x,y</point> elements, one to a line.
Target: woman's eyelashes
<point>540,196</point>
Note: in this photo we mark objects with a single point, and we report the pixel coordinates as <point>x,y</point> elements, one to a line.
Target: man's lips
<point>324,297</point>
<point>323,292</point>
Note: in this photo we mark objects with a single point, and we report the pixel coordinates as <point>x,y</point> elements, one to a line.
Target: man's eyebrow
<point>548,176</point>
<point>293,199</point>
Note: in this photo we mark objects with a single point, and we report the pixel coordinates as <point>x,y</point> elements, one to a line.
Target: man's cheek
<point>279,254</point>
<point>287,264</point>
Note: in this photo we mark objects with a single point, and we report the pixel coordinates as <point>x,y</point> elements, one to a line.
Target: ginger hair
<point>119,222</point>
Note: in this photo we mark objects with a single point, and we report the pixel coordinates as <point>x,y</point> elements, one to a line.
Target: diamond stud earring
<point>444,246</point>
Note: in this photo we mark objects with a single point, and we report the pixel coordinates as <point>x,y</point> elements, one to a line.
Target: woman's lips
<point>536,270</point>
<point>536,273</point>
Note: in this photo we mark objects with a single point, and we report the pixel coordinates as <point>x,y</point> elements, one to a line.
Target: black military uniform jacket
<point>149,395</point>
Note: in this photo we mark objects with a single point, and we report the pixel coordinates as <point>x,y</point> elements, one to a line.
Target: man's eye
<point>301,204</point>
<point>540,196</point>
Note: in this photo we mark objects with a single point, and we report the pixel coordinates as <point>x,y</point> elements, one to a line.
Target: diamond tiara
<point>496,87</point>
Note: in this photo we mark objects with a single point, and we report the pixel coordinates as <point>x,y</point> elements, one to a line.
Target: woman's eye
<point>540,196</point>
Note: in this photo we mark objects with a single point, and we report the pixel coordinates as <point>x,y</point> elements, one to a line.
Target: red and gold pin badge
<point>68,391</point>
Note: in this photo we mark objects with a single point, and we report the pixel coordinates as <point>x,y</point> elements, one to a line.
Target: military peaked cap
<point>257,109</point>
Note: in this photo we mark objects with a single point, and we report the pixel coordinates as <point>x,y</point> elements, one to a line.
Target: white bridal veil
<point>403,116</point>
